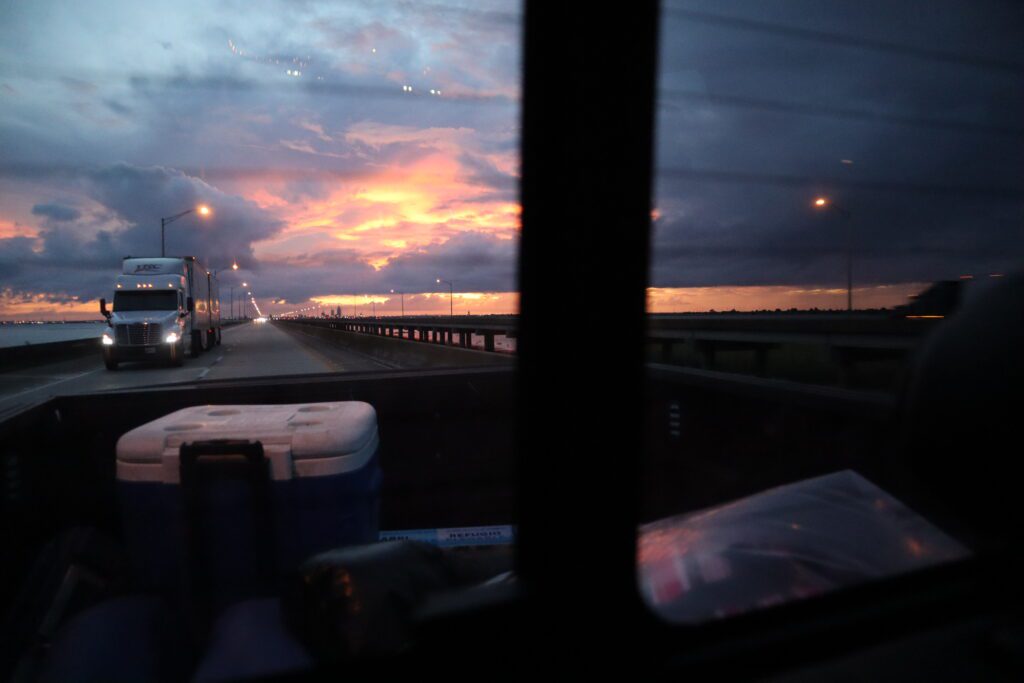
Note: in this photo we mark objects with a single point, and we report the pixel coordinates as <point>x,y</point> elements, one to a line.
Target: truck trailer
<point>162,308</point>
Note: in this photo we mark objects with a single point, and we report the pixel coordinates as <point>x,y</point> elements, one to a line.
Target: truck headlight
<point>107,340</point>
<point>171,338</point>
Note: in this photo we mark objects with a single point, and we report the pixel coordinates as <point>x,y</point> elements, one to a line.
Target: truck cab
<point>162,308</point>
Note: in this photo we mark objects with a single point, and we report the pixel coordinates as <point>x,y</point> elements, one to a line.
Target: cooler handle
<point>203,462</point>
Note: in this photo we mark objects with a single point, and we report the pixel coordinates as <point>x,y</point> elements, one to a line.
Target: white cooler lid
<point>301,439</point>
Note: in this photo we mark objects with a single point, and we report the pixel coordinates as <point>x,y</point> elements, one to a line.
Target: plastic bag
<point>787,543</point>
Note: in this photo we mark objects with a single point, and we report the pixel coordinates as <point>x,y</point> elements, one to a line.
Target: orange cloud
<point>428,303</point>
<point>10,229</point>
<point>36,307</point>
<point>701,299</point>
<point>420,195</point>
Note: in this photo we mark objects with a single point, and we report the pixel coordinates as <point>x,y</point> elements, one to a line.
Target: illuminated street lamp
<point>401,296</point>
<point>202,210</point>
<point>451,295</point>
<point>824,203</point>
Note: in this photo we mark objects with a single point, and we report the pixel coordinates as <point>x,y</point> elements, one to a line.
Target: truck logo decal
<point>147,267</point>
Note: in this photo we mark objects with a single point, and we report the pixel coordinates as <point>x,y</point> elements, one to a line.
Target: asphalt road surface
<point>249,350</point>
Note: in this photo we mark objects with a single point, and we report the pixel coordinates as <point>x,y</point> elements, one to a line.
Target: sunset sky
<point>348,149</point>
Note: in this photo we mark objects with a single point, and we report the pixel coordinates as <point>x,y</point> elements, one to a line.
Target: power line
<point>846,40</point>
<point>704,251</point>
<point>494,182</point>
<point>841,113</point>
<point>310,85</point>
<point>740,177</point>
<point>37,170</point>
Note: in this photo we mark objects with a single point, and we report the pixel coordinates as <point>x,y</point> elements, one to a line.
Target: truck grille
<point>137,334</point>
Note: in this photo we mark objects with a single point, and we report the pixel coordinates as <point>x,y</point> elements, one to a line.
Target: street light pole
<point>451,295</point>
<point>164,222</point>
<point>401,297</point>
<point>234,266</point>
<point>825,203</point>
<point>849,262</point>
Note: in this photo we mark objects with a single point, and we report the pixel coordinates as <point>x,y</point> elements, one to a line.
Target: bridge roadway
<point>249,350</point>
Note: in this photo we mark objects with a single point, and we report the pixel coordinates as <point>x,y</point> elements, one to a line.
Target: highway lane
<point>250,350</point>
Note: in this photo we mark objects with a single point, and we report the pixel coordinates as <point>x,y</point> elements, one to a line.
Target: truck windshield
<point>146,301</point>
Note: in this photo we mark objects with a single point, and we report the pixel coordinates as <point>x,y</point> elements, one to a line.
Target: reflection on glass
<point>831,191</point>
<point>788,543</point>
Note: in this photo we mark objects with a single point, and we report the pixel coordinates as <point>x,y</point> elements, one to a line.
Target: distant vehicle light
<point>107,340</point>
<point>261,320</point>
<point>171,338</point>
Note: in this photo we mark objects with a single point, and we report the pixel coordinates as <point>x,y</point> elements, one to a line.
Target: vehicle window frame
<point>579,441</point>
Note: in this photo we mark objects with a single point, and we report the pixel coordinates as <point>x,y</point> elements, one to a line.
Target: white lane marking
<point>203,373</point>
<point>51,384</point>
<point>219,359</point>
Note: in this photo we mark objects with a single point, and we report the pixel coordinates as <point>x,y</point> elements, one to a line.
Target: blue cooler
<point>265,487</point>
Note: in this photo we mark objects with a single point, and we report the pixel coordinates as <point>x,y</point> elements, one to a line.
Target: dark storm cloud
<point>118,107</point>
<point>757,114</point>
<point>74,257</point>
<point>476,261</point>
<point>57,212</point>
<point>141,196</point>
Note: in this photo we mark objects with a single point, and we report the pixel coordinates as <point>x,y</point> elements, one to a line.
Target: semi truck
<point>163,308</point>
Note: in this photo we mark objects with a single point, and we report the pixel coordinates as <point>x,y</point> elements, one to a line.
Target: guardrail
<point>441,331</point>
<point>390,349</point>
<point>848,339</point>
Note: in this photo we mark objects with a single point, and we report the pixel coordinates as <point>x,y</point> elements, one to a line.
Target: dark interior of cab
<point>578,449</point>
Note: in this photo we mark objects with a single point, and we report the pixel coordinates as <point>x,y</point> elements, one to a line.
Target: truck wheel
<point>209,341</point>
<point>197,344</point>
<point>177,355</point>
<point>110,363</point>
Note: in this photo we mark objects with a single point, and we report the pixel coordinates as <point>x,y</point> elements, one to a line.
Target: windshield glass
<point>349,174</point>
<point>836,186</point>
<point>145,301</point>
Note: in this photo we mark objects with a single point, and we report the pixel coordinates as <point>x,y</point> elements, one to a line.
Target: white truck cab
<point>162,308</point>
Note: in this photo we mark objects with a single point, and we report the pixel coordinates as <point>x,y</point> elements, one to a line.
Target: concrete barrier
<point>31,355</point>
<point>400,352</point>
<point>28,355</point>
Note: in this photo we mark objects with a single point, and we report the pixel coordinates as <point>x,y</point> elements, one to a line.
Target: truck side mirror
<point>103,309</point>
<point>190,304</point>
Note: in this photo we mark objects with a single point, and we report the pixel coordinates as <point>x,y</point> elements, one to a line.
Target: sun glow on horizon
<point>424,190</point>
